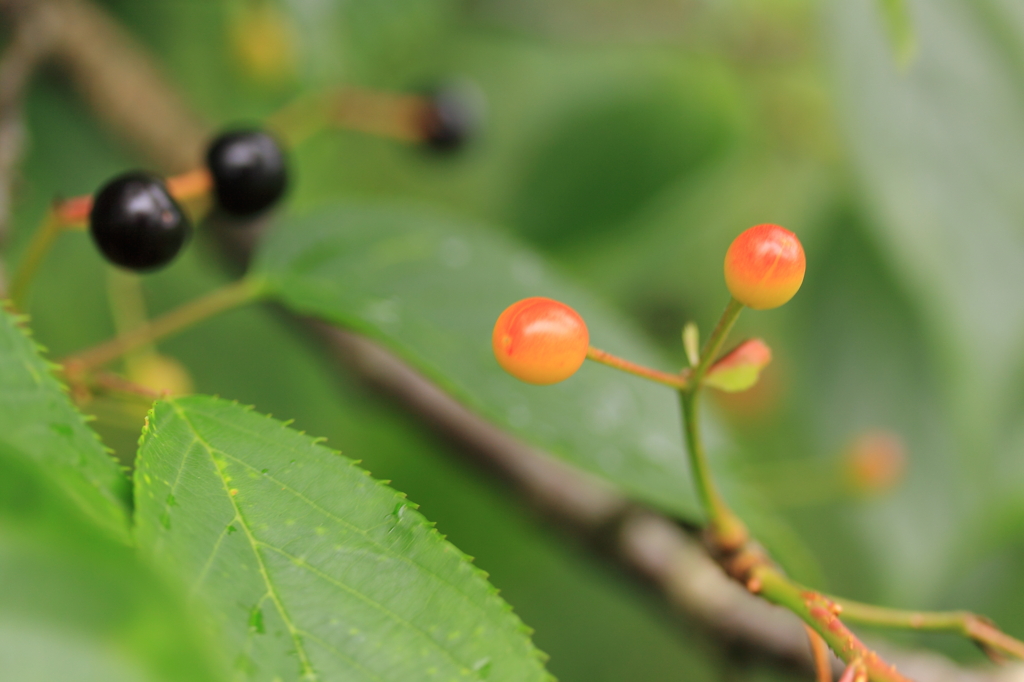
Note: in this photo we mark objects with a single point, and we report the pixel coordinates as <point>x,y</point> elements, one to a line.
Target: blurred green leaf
<point>612,152</point>
<point>314,569</point>
<point>39,424</point>
<point>77,604</point>
<point>896,14</point>
<point>939,151</point>
<point>431,289</point>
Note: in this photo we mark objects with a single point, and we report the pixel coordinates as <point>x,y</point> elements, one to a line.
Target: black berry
<point>249,171</point>
<point>136,224</point>
<point>450,118</point>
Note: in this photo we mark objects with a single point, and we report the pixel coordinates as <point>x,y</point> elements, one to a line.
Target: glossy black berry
<point>136,224</point>
<point>450,119</point>
<point>249,171</point>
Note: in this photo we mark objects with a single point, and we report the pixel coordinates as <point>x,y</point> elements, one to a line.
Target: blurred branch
<point>115,76</point>
<point>118,79</point>
<point>29,44</point>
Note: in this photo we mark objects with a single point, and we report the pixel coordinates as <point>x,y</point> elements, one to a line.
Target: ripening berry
<point>764,267</point>
<point>450,118</point>
<point>136,224</point>
<point>540,341</point>
<point>875,462</point>
<point>249,171</point>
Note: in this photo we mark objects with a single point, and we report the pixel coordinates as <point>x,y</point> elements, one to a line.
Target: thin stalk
<point>970,625</point>
<point>820,613</point>
<point>128,310</point>
<point>42,240</point>
<point>397,116</point>
<point>728,532</point>
<point>819,652</point>
<point>677,381</point>
<point>714,343</point>
<point>231,296</point>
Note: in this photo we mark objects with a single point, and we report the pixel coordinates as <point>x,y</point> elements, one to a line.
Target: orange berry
<point>875,462</point>
<point>540,341</point>
<point>764,267</point>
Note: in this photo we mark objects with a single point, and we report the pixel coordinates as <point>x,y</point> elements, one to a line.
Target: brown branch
<point>112,71</point>
<point>120,81</point>
<point>29,45</point>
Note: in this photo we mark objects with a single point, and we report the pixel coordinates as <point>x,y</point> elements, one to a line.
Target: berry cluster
<point>541,341</point>
<point>137,224</point>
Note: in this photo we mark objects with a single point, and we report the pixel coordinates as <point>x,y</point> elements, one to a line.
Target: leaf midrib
<point>254,544</point>
<point>307,668</point>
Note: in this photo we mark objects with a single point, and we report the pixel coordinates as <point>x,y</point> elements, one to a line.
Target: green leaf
<point>896,14</point>
<point>939,151</point>
<point>316,570</point>
<point>431,289</point>
<point>78,604</point>
<point>739,369</point>
<point>38,423</point>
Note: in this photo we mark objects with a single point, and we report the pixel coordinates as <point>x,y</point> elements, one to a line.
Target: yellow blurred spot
<point>263,42</point>
<point>160,373</point>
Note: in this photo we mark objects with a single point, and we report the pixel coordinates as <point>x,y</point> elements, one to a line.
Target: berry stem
<point>117,384</point>
<point>970,625</point>
<point>73,213</point>
<point>714,343</point>
<point>42,240</point>
<point>821,614</point>
<point>231,296</point>
<point>128,310</point>
<point>727,533</point>
<point>819,651</point>
<point>386,114</point>
<point>677,381</point>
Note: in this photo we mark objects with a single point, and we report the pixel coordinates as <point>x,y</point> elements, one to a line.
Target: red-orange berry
<point>540,341</point>
<point>764,267</point>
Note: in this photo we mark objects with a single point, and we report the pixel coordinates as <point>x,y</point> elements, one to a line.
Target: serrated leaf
<point>740,368</point>
<point>39,423</point>
<point>317,571</point>
<point>431,289</point>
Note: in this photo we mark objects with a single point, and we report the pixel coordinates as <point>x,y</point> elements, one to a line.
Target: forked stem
<point>970,625</point>
<point>714,343</point>
<point>231,296</point>
<point>727,533</point>
<point>42,240</point>
<point>819,652</point>
<point>74,213</point>
<point>677,381</point>
<point>821,614</point>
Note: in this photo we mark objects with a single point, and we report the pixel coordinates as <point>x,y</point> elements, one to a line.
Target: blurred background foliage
<point>630,141</point>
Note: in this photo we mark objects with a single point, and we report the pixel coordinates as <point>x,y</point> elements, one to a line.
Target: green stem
<point>231,296</point>
<point>728,532</point>
<point>37,249</point>
<point>820,613</point>
<point>715,341</point>
<point>674,380</point>
<point>970,625</point>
